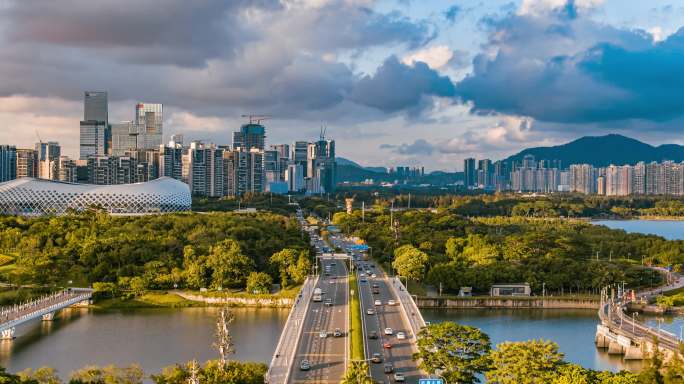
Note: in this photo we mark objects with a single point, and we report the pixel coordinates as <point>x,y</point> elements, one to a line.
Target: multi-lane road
<point>386,316</point>
<point>327,355</point>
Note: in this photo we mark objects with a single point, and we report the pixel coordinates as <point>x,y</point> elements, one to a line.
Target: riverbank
<point>186,299</point>
<point>580,302</point>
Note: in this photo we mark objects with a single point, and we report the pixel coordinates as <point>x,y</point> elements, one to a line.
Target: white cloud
<point>436,57</point>
<point>541,7</point>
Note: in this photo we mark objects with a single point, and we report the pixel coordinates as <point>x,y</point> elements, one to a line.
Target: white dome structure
<point>37,197</point>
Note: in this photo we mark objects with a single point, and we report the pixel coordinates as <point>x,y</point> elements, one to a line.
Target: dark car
<point>373,335</point>
<point>337,333</point>
<point>305,365</point>
<point>377,358</point>
<point>388,368</point>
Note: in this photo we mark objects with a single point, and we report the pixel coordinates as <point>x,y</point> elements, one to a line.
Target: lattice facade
<point>37,197</point>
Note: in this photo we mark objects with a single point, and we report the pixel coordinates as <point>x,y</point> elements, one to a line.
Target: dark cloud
<point>397,86</point>
<point>418,147</point>
<point>211,57</point>
<point>562,67</point>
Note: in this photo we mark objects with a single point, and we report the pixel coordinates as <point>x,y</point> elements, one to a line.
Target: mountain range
<point>601,151</point>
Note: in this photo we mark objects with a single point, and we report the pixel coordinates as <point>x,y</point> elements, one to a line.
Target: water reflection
<point>572,330</point>
<point>154,338</point>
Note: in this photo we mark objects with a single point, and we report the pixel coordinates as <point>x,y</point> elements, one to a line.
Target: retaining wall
<point>506,302</point>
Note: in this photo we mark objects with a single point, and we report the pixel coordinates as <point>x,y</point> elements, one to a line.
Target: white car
<point>322,334</point>
<point>374,275</point>
<point>401,335</point>
<point>399,377</point>
<point>391,302</point>
<point>389,331</point>
<point>378,303</point>
<point>370,311</point>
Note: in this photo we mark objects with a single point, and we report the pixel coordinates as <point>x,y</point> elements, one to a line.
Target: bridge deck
<point>14,315</point>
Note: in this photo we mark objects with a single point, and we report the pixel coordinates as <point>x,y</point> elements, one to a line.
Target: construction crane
<point>257,119</point>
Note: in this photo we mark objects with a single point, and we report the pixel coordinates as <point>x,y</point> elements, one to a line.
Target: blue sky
<point>397,82</point>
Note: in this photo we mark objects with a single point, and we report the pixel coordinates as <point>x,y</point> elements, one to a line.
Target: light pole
<point>634,315</point>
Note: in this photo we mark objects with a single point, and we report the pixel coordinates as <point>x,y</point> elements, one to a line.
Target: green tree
<point>43,375</point>
<point>259,282</point>
<point>286,260</point>
<point>527,362</point>
<point>137,285</point>
<point>357,373</point>
<point>110,374</point>
<point>459,352</point>
<point>410,262</point>
<point>230,267</point>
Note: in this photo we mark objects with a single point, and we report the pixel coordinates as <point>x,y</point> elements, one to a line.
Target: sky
<point>395,82</point>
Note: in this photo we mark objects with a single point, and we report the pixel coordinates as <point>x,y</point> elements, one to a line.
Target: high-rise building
<point>469,174</point>
<point>67,170</point>
<point>48,151</point>
<point>149,119</point>
<point>95,106</point>
<point>583,178</point>
<point>8,163</point>
<point>244,171</point>
<point>485,174</point>
<point>176,139</point>
<point>110,170</point>
<point>295,177</point>
<point>321,164</point>
<point>171,161</point>
<point>298,154</point>
<point>93,139</point>
<point>203,170</point>
<point>26,163</point>
<point>250,136</point>
<point>124,137</point>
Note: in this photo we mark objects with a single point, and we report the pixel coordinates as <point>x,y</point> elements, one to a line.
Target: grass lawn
<point>149,300</point>
<point>286,293</point>
<point>355,331</point>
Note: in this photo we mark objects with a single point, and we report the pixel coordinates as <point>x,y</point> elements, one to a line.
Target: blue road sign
<point>430,381</point>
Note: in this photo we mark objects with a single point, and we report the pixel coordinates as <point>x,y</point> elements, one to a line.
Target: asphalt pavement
<point>401,351</point>
<point>327,355</point>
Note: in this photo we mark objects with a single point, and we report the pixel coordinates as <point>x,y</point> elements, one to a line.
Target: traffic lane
<point>400,355</point>
<point>401,352</point>
<point>326,365</point>
<point>373,324</point>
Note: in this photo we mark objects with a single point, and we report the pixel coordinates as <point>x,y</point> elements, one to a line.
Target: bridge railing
<point>11,316</point>
<point>409,308</point>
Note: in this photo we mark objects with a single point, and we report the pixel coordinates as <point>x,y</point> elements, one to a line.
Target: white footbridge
<point>43,307</point>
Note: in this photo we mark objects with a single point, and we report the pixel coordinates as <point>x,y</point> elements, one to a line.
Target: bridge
<point>43,307</point>
<point>623,335</point>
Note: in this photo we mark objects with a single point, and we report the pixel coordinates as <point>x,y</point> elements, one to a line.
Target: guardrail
<point>409,308</point>
<point>12,316</point>
<point>286,349</point>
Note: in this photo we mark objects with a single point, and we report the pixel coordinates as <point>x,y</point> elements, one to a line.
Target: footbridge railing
<point>45,307</point>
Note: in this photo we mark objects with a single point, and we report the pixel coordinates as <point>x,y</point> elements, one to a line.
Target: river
<point>669,229</point>
<point>154,338</point>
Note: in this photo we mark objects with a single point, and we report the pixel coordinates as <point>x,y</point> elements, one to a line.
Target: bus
<point>317,293</point>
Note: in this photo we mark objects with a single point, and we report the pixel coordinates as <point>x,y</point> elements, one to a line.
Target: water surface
<point>669,229</point>
<point>573,330</point>
<point>154,338</point>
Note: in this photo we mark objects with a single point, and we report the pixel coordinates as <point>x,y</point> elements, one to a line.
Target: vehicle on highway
<point>388,331</point>
<point>305,365</point>
<point>362,274</point>
<point>377,302</point>
<point>377,358</point>
<point>337,333</point>
<point>363,280</point>
<point>333,264</point>
<point>388,368</point>
<point>391,302</point>
<point>317,295</point>
<point>323,334</point>
<point>374,275</point>
<point>373,335</point>
<point>370,311</point>
<point>328,303</point>
<point>401,335</point>
<point>399,377</point>
<point>387,345</point>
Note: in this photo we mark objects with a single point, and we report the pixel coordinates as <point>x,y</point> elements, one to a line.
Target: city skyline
<point>415,83</point>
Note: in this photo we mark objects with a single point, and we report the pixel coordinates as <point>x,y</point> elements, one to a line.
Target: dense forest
<point>153,252</point>
<point>564,255</point>
<point>508,204</point>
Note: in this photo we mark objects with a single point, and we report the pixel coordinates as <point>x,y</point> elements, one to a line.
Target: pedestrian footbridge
<point>43,307</point>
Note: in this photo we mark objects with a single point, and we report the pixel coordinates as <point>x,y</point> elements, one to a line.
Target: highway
<point>401,351</point>
<point>327,355</point>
